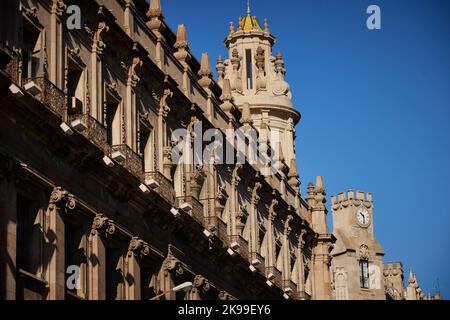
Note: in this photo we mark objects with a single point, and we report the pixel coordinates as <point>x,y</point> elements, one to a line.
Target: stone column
<point>271,258</point>
<point>96,256</point>
<point>54,256</point>
<point>234,204</point>
<point>323,244</point>
<point>130,105</point>
<point>171,267</point>
<point>136,250</point>
<point>163,153</point>
<point>56,43</point>
<point>254,226</point>
<point>300,264</point>
<point>97,90</point>
<point>286,272</point>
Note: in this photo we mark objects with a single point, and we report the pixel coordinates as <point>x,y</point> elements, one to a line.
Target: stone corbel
<point>98,45</point>
<point>138,247</point>
<point>200,283</point>
<point>287,225</point>
<point>58,7</point>
<point>197,179</point>
<point>102,223</point>
<point>223,295</point>
<point>30,13</point>
<point>172,265</point>
<point>59,198</point>
<point>272,209</point>
<point>164,108</point>
<point>255,193</point>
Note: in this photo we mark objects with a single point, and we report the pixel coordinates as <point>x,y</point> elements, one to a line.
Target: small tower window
<point>364,273</point>
<point>248,61</point>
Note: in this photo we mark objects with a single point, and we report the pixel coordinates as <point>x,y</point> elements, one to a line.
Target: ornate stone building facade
<point>88,181</point>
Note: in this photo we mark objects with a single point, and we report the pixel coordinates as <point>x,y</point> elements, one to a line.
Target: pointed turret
<point>156,16</point>
<point>293,174</point>
<point>205,71</point>
<point>226,97</point>
<point>182,45</point>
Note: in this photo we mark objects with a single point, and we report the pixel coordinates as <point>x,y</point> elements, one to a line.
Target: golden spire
<point>249,22</point>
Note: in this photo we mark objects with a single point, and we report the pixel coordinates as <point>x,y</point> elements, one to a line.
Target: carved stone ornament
<point>101,222</point>
<point>60,197</point>
<point>272,213</point>
<point>223,295</point>
<point>200,283</point>
<point>138,247</point>
<point>133,78</point>
<point>173,265</point>
<point>287,227</point>
<point>164,108</point>
<point>364,253</point>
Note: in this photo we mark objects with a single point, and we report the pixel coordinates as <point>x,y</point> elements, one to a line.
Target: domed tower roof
<point>257,80</point>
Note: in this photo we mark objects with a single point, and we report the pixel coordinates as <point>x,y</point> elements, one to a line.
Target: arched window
<point>364,273</point>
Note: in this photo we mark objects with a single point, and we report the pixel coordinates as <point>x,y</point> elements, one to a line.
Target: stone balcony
<point>92,130</point>
<point>52,97</point>
<point>165,188</point>
<point>129,159</point>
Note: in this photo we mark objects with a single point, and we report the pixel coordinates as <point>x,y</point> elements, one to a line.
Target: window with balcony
<point>75,88</point>
<point>113,129</point>
<point>32,51</point>
<point>146,147</point>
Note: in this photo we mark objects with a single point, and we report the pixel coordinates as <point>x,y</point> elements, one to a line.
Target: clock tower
<point>357,257</point>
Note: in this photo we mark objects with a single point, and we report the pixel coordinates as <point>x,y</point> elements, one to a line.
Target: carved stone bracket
<point>223,295</point>
<point>364,253</point>
<point>60,197</point>
<point>287,223</point>
<point>102,223</point>
<point>138,247</point>
<point>271,209</point>
<point>201,283</point>
<point>172,265</point>
<point>164,108</point>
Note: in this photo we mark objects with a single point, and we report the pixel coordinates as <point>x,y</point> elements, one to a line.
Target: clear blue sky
<point>375,108</point>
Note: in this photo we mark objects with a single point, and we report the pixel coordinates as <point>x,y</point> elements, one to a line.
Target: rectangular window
<point>364,273</point>
<point>74,89</point>
<point>248,61</point>
<point>31,51</point>
<point>146,147</point>
<point>114,274</point>
<point>30,236</point>
<point>113,122</point>
<point>75,256</point>
<point>30,243</point>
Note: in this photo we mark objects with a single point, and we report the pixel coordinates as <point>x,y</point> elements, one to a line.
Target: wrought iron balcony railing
<point>52,97</point>
<point>92,130</point>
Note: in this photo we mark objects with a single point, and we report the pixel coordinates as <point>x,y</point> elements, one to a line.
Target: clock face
<point>363,217</point>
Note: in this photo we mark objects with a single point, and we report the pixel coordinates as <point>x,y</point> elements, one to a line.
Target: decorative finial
<point>266,25</point>
<point>231,27</point>
<point>248,7</point>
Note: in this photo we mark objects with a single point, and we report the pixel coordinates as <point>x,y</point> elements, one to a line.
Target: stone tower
<point>257,83</point>
<point>357,264</point>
